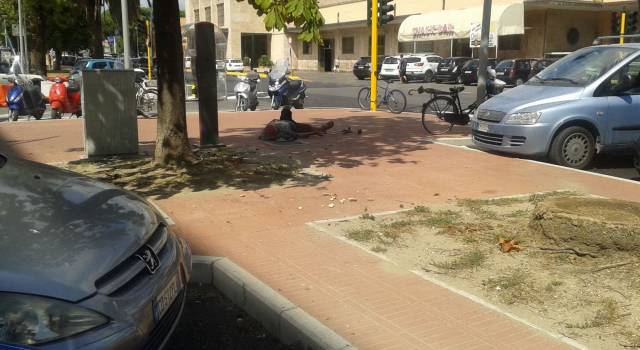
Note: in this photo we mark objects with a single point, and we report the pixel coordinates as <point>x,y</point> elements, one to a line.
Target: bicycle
<point>444,109</point>
<point>395,100</point>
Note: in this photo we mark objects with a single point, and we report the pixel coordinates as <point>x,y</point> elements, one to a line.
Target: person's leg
<point>308,128</point>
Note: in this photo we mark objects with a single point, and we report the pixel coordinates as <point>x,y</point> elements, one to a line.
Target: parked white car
<point>422,66</point>
<point>234,65</point>
<point>389,69</point>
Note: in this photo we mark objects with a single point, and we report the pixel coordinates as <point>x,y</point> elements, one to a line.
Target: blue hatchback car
<point>587,102</point>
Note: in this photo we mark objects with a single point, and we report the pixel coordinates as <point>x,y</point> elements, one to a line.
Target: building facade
<point>522,28</point>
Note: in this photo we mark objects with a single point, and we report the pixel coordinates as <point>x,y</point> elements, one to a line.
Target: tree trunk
<point>38,47</point>
<point>58,66</point>
<point>172,143</point>
<point>94,24</point>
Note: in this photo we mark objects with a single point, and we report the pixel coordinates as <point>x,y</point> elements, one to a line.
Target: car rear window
<point>505,64</point>
<point>364,60</point>
<point>433,59</point>
<point>390,60</point>
<point>446,61</point>
<point>413,59</point>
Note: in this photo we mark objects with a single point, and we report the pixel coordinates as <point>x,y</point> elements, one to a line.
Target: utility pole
<point>22,43</point>
<point>149,58</point>
<point>125,34</point>
<point>484,49</point>
<point>623,18</point>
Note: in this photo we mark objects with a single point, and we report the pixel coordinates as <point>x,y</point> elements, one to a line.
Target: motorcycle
<point>246,91</point>
<point>146,95</point>
<point>65,98</point>
<point>285,92</point>
<point>25,99</point>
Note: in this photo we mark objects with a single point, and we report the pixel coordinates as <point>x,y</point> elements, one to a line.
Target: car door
<point>622,91</point>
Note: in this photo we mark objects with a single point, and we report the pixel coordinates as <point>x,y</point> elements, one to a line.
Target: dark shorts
<point>403,73</point>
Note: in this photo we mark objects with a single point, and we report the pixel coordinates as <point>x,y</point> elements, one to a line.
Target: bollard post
<point>206,79</point>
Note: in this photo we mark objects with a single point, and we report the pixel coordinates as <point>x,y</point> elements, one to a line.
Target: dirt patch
<point>590,296</point>
<point>247,169</point>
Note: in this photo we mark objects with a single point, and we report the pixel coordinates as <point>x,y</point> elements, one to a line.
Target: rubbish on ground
<point>342,201</point>
<point>353,199</point>
<point>332,198</point>
<point>299,208</point>
<point>331,205</point>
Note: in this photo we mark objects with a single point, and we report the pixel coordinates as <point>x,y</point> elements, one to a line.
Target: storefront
<point>520,29</point>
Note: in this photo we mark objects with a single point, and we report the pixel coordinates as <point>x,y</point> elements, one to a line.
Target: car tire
<point>574,147</point>
<point>437,81</point>
<point>360,78</point>
<point>428,76</point>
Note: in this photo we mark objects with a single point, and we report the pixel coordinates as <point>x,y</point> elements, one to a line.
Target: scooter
<point>246,91</point>
<point>65,98</point>
<point>284,92</point>
<point>25,98</point>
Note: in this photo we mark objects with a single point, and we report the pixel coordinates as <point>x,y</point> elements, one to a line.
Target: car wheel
<point>428,76</point>
<point>574,147</point>
<point>13,115</point>
<point>437,81</point>
<point>360,78</point>
<point>519,82</point>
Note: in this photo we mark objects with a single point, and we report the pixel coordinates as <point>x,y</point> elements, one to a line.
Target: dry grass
<point>470,260</point>
<point>512,287</point>
<point>606,315</point>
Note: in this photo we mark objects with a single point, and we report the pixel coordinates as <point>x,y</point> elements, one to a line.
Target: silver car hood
<point>60,231</point>
<point>531,97</point>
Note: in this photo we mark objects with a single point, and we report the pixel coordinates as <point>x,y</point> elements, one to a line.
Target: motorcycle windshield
<point>279,70</point>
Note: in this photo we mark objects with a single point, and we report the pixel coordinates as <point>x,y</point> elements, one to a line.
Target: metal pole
<point>21,36</point>
<point>205,65</point>
<point>149,58</point>
<point>484,49</point>
<point>623,19</point>
<point>125,34</point>
<point>374,54</point>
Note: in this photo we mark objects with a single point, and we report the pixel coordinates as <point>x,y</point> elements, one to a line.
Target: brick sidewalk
<point>370,302</point>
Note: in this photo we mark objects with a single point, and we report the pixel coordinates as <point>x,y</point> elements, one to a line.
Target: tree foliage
<point>304,14</point>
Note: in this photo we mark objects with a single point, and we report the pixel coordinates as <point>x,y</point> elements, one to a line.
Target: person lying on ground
<point>287,129</point>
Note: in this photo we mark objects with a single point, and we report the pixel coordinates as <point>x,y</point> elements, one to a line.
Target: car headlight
<point>523,118</point>
<point>32,320</point>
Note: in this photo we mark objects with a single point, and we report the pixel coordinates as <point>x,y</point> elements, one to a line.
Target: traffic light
<point>631,23</point>
<point>616,17</point>
<point>385,11</point>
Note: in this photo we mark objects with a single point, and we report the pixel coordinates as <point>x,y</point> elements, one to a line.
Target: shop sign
<point>475,34</point>
<point>433,30</point>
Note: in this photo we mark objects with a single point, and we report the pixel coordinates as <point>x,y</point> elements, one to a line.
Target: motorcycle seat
<point>295,85</point>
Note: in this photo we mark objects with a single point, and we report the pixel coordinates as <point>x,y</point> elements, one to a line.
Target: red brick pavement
<point>371,302</point>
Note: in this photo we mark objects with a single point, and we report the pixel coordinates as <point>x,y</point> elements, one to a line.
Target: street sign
<point>475,34</point>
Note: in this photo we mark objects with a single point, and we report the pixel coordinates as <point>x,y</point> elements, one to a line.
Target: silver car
<point>83,264</point>
<point>587,102</point>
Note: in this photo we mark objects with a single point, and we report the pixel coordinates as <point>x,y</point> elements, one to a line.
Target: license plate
<point>499,73</point>
<point>468,71</point>
<point>165,298</point>
<point>483,127</point>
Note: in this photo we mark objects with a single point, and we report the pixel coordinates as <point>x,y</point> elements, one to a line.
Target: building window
<point>306,48</point>
<point>509,42</point>
<point>424,46</point>
<point>406,47</point>
<point>220,8</point>
<point>347,45</point>
<point>207,13</point>
<point>380,45</point>
<point>196,15</point>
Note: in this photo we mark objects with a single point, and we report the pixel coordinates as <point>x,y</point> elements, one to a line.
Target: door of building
<point>326,55</point>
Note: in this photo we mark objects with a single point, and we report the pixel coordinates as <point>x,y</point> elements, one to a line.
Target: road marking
<point>467,148</point>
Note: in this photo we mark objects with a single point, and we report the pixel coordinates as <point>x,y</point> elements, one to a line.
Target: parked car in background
<point>83,264</point>
<point>469,74</point>
<point>539,65</point>
<point>362,67</point>
<point>449,69</point>
<point>514,71</point>
<point>68,60</point>
<point>584,103</point>
<point>390,68</point>
<point>93,63</point>
<point>234,65</point>
<point>220,65</point>
<point>422,66</point>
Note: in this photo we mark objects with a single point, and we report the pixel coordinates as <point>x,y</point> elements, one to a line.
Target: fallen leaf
<point>509,245</point>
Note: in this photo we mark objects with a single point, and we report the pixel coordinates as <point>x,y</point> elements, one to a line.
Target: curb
<point>281,317</point>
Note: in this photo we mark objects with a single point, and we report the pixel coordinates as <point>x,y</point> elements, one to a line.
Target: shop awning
<point>456,24</point>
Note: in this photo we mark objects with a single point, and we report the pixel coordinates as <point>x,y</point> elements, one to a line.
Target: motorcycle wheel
<point>298,104</point>
<point>38,115</point>
<point>242,104</point>
<point>56,114</point>
<point>13,115</point>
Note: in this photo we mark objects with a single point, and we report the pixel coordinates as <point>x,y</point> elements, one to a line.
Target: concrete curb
<point>281,317</point>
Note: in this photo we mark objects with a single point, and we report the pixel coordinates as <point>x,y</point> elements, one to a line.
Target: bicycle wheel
<point>148,103</point>
<point>396,101</point>
<point>364,98</point>
<point>433,113</point>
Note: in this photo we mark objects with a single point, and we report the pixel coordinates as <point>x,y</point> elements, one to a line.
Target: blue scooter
<point>284,92</point>
<point>25,98</point>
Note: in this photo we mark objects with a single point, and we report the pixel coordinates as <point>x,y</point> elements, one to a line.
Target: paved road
<point>330,90</point>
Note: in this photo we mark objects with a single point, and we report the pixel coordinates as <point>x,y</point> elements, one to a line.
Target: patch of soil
<point>247,169</point>
<point>592,298</point>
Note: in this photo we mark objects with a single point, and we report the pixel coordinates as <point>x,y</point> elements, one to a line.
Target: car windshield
<point>390,60</point>
<point>504,65</point>
<point>583,66</point>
